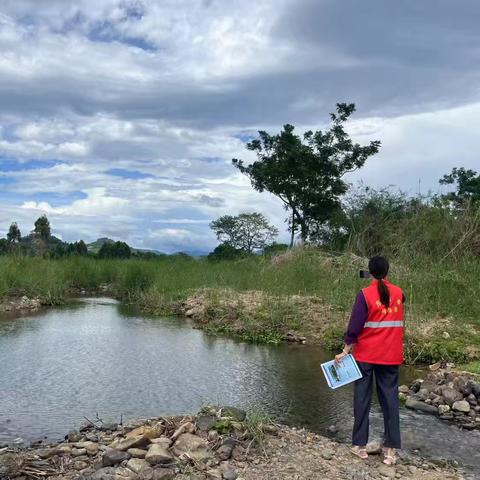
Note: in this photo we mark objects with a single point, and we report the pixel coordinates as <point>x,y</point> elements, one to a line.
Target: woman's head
<point>378,267</point>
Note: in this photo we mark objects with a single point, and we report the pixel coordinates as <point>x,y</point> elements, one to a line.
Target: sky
<point>120,118</point>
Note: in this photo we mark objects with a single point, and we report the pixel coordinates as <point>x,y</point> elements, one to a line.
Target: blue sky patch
<point>11,165</point>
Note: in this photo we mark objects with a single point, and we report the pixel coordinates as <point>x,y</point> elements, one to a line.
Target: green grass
<point>441,297</point>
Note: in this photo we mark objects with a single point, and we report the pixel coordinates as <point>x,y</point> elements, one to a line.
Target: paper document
<point>338,375</point>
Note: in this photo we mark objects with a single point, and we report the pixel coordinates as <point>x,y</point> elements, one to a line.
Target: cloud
<point>121,117</point>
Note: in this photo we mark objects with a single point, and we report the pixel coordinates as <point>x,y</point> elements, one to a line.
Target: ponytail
<point>378,266</point>
<point>384,293</point>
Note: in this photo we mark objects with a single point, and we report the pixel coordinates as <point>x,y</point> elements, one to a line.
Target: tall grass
<point>443,298</point>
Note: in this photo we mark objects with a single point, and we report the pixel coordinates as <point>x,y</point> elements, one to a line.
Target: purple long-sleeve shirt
<point>357,319</point>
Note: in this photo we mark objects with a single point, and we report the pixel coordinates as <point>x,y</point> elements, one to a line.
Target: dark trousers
<point>386,379</point>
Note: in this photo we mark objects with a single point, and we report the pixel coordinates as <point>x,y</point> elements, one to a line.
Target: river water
<point>100,357</point>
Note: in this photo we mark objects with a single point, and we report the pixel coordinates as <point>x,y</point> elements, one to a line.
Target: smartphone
<point>364,274</point>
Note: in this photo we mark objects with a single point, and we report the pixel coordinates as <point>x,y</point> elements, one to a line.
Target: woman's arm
<point>355,326</point>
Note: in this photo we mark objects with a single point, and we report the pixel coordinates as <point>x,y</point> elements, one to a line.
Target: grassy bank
<point>260,299</point>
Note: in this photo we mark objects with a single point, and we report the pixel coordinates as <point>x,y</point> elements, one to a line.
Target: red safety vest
<point>381,340</point>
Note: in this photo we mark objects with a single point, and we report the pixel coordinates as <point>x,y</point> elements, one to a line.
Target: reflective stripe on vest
<point>384,323</point>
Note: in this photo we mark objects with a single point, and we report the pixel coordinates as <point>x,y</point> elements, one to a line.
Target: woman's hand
<point>340,356</point>
<point>346,351</point>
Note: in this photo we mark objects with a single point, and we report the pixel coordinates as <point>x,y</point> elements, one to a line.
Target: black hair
<point>378,267</point>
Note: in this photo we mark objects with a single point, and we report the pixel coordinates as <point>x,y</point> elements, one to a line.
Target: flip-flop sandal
<point>389,460</point>
<point>360,452</point>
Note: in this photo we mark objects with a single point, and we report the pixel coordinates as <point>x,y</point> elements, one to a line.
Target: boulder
<point>140,467</point>
<point>113,457</point>
<point>443,409</point>
<point>163,474</point>
<point>230,474</point>
<point>148,431</point>
<point>235,413</point>
<point>163,441</point>
<point>187,427</point>
<point>461,406</point>
<point>206,422</point>
<point>158,454</point>
<point>74,436</point>
<point>403,389</point>
<point>423,407</point>
<point>450,395</point>
<point>194,446</point>
<point>129,442</point>
<point>111,473</point>
<point>374,448</point>
<point>137,452</point>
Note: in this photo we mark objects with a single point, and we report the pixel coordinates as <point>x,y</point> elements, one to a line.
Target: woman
<point>375,334</point>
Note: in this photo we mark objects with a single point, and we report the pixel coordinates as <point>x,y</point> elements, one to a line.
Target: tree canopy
<point>306,172</point>
<point>42,227</point>
<point>14,235</point>
<point>247,232</point>
<point>467,186</point>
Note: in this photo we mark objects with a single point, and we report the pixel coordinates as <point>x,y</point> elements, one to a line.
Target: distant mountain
<point>95,247</point>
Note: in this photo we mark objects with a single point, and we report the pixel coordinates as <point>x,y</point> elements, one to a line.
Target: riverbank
<point>218,443</point>
<point>303,293</point>
<point>453,396</point>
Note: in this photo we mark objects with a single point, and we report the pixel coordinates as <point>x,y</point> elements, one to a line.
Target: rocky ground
<point>19,304</point>
<point>453,396</point>
<point>217,444</point>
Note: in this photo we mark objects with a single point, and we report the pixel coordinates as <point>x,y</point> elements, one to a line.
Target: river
<point>97,356</point>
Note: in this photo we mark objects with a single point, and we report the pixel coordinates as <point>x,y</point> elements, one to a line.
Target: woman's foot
<point>359,452</point>
<point>389,457</point>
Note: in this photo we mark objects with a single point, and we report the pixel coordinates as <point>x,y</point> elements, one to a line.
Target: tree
<point>247,231</point>
<point>4,246</point>
<point>467,183</point>
<point>114,250</point>
<point>14,235</point>
<point>275,249</point>
<point>42,227</point>
<point>306,173</point>
<point>224,251</point>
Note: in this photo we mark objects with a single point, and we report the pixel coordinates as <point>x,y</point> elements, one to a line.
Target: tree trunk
<point>292,238</point>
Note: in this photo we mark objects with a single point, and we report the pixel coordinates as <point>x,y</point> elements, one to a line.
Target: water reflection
<point>102,357</point>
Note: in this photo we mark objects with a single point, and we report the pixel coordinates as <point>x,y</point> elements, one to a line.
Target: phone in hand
<point>364,274</point>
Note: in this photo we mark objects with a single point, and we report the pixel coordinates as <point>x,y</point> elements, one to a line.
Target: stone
<point>163,474</point>
<point>386,471</point>
<point>214,474</point>
<point>403,389</point>
<point>235,413</point>
<point>224,452</point>
<point>374,448</point>
<point>74,436</point>
<point>476,389</point>
<point>111,473</point>
<point>212,435</point>
<point>113,457</point>
<point>129,442</point>
<point>461,406</point>
<point>194,446</point>
<point>434,367</point>
<point>230,474</point>
<point>471,399</point>
<point>91,448</point>
<point>187,427</point>
<point>109,427</point>
<point>76,452</point>
<point>422,407</point>
<point>239,453</point>
<point>443,409</point>
<point>79,465</point>
<point>206,422</point>
<point>163,441</point>
<point>46,452</point>
<point>158,454</point>
<point>327,454</point>
<point>139,466</point>
<point>147,431</point>
<point>451,395</point>
<point>137,452</point>
<point>332,429</point>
